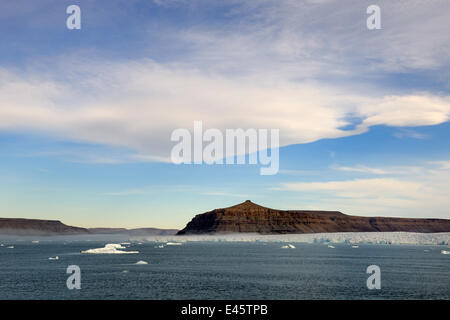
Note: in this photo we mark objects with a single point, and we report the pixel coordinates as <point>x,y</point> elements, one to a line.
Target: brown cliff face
<point>250,217</point>
<point>13,226</point>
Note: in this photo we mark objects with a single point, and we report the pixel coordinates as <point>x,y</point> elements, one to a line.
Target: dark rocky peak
<point>246,205</point>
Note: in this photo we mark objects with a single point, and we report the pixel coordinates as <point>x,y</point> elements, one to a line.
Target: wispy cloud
<point>444,165</point>
<point>420,193</point>
<point>395,170</point>
<point>408,133</point>
<point>138,105</point>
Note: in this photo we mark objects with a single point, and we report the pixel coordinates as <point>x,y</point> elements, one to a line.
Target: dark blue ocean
<point>223,270</point>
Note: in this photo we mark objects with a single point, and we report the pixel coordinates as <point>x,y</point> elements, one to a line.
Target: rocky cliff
<point>250,217</point>
<point>16,226</point>
<point>36,227</point>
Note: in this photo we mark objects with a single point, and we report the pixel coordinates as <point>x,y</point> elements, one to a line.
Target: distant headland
<point>37,227</point>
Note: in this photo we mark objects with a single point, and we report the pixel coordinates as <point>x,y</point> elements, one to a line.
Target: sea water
<point>223,270</point>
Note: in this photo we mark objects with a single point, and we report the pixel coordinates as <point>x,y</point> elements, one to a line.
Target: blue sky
<point>86,115</point>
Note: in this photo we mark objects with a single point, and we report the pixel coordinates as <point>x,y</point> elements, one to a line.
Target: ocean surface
<point>223,270</point>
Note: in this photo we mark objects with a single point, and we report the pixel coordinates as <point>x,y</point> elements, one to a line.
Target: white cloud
<point>270,70</point>
<point>423,194</point>
<point>325,38</point>
<point>137,105</point>
<point>360,188</point>
<point>361,169</point>
<point>408,133</point>
<point>410,110</point>
<point>399,170</point>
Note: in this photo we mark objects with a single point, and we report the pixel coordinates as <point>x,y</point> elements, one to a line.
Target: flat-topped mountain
<point>250,217</point>
<point>18,226</point>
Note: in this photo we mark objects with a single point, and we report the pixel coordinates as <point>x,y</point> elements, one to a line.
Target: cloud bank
<point>304,67</point>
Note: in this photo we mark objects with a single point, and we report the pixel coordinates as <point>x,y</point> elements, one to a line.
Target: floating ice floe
<point>445,252</point>
<point>53,258</point>
<point>110,248</point>
<point>141,262</point>
<point>173,244</point>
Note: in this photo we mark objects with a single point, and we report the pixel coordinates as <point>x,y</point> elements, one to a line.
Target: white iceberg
<point>141,262</point>
<point>110,248</point>
<point>173,244</point>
